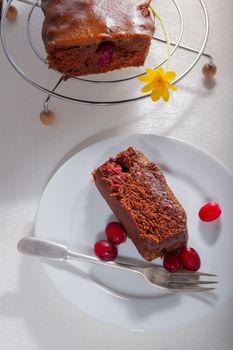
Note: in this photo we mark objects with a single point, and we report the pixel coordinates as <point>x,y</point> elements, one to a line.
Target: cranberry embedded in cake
<point>104,53</point>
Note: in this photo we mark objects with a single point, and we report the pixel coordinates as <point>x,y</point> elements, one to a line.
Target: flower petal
<point>147,87</point>
<point>151,72</point>
<point>170,75</point>
<point>172,87</point>
<point>155,95</point>
<point>165,94</point>
<point>160,70</point>
<point>144,78</point>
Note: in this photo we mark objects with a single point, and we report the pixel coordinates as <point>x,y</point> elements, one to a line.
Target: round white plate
<point>72,211</point>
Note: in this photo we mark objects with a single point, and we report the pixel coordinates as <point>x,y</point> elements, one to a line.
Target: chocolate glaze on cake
<point>139,196</point>
<point>92,36</point>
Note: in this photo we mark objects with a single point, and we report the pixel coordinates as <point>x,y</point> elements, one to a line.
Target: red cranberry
<point>145,11</point>
<point>210,212</point>
<point>171,262</point>
<point>104,52</point>
<point>116,180</point>
<point>190,259</point>
<point>115,233</point>
<point>138,56</point>
<point>112,168</point>
<point>105,250</point>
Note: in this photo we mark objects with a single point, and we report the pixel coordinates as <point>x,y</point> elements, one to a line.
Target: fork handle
<point>92,259</point>
<point>51,250</point>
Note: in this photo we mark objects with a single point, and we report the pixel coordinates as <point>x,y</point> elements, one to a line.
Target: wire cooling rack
<point>35,6</point>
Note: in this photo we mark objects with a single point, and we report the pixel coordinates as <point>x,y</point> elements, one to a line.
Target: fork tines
<point>190,273</point>
<point>190,281</point>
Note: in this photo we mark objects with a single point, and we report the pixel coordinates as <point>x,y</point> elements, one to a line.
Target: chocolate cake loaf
<point>95,36</point>
<point>139,196</point>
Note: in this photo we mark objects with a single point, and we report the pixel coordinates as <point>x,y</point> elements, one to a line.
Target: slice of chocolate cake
<point>95,36</point>
<point>139,196</point>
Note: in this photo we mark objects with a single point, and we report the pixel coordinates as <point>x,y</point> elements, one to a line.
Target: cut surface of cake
<point>95,36</point>
<point>138,194</point>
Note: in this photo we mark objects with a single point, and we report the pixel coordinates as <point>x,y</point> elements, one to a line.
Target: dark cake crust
<point>139,196</point>
<point>73,30</point>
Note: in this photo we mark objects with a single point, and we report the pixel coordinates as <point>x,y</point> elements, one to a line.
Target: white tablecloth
<point>33,315</point>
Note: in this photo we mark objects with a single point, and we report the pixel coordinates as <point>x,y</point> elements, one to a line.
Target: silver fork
<point>183,281</point>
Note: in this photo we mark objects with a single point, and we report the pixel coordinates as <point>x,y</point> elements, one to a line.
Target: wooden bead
<point>47,118</point>
<point>12,13</point>
<point>209,70</point>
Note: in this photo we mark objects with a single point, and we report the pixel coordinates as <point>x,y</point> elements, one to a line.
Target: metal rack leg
<point>12,11</point>
<point>47,116</point>
<point>209,69</point>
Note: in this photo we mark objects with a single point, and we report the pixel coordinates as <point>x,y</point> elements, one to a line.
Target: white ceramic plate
<point>72,211</point>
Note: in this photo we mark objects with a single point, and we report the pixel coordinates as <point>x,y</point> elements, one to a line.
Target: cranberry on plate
<point>115,233</point>
<point>190,259</point>
<point>171,262</point>
<point>210,212</point>
<point>105,250</point>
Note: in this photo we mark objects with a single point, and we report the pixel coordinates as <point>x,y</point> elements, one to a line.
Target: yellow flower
<point>158,83</point>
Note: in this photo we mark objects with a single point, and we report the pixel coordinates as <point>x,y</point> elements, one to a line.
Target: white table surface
<point>33,314</point>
